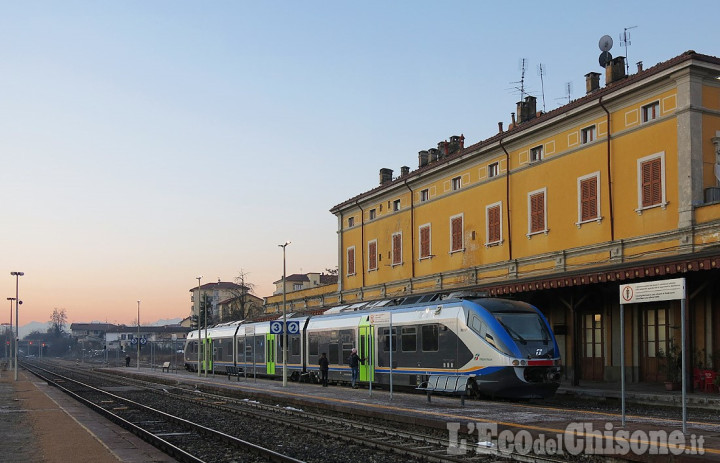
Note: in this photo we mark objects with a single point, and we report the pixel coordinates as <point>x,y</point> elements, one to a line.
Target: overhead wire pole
<point>11,351</point>
<point>284,338</point>
<point>198,324</point>
<point>17,276</point>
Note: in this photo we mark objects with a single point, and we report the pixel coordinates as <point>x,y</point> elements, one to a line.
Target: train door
<point>365,343</point>
<point>207,354</point>
<point>270,353</point>
<point>592,357</point>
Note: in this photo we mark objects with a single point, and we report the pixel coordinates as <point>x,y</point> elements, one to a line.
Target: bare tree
<point>243,303</point>
<point>58,319</point>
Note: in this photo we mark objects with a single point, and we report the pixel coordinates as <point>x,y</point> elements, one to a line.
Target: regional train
<point>503,348</point>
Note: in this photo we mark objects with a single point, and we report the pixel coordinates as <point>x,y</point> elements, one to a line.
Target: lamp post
<point>284,338</point>
<point>17,276</point>
<point>138,338</point>
<point>11,299</point>
<point>198,324</point>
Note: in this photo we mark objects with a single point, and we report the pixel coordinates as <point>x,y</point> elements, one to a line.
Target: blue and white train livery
<point>504,348</point>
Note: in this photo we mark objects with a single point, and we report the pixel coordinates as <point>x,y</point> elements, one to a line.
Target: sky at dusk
<point>145,143</point>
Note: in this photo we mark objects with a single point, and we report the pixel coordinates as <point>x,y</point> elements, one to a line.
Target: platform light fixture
<point>17,276</point>
<point>284,336</point>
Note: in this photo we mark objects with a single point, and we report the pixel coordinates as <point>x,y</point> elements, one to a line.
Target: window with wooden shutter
<point>537,212</point>
<point>351,261</point>
<point>493,220</point>
<point>425,241</point>
<point>588,199</point>
<point>397,249</point>
<point>651,172</point>
<point>372,255</point>
<point>456,233</point>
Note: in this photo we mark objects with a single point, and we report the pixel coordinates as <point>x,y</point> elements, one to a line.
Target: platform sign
<point>293,327</point>
<point>133,341</point>
<point>651,291</point>
<point>378,318</point>
<point>276,327</point>
<point>143,341</point>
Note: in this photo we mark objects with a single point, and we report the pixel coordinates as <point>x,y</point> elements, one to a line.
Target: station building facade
<point>559,209</point>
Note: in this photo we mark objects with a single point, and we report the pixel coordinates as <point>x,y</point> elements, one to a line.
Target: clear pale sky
<point>144,143</point>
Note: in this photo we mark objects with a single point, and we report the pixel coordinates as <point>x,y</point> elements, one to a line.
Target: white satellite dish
<point>606,43</point>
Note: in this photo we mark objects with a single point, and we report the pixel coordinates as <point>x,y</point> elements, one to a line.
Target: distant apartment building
<point>228,301</point>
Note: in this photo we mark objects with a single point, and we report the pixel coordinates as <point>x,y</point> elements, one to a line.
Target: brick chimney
<point>385,176</point>
<point>434,154</point>
<point>423,158</point>
<point>615,70</point>
<point>592,82</point>
<point>526,109</point>
<point>404,170</point>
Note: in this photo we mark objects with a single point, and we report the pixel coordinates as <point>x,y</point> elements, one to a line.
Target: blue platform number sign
<point>276,327</point>
<point>143,341</point>
<point>133,341</point>
<point>293,327</point>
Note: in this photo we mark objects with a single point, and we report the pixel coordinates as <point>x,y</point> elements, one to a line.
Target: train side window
<point>295,345</point>
<point>313,344</point>
<point>346,349</point>
<point>386,339</point>
<point>333,351</point>
<point>430,339</point>
<point>409,338</point>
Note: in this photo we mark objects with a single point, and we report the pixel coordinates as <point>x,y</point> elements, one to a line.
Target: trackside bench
<point>166,367</point>
<point>234,371</point>
<point>448,384</point>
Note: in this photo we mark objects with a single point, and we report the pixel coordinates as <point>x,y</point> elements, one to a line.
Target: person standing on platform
<point>354,362</point>
<point>324,367</point>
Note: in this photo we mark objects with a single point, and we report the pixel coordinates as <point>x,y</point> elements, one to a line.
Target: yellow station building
<point>559,209</point>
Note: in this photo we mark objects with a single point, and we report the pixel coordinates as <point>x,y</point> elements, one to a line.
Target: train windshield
<point>524,327</point>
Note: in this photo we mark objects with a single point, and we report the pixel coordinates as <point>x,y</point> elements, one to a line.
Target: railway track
<point>199,426</point>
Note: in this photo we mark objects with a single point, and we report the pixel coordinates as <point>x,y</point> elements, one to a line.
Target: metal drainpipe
<point>362,242</point>
<point>412,231</point>
<point>341,259</point>
<point>610,195</point>
<point>507,197</point>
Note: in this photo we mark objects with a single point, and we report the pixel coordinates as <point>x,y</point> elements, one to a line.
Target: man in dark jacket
<point>324,366</point>
<point>354,362</point>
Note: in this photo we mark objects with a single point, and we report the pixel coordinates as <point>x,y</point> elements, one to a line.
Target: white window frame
<point>430,254</point>
<point>347,261</point>
<point>599,218</point>
<point>663,201</point>
<point>537,154</point>
<point>591,129</point>
<point>372,214</point>
<point>456,183</point>
<point>529,212</point>
<point>369,264</point>
<point>396,205</point>
<point>424,195</point>
<point>644,111</point>
<point>392,249</point>
<point>351,222</point>
<point>489,243</point>
<point>461,216</point>
<point>493,169</point>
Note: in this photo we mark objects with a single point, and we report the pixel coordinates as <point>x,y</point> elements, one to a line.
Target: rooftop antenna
<point>541,71</point>
<point>568,90</point>
<point>522,79</point>
<point>624,42</point>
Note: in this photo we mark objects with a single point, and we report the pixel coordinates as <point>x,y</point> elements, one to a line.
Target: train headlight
<point>523,362</point>
<point>516,363</point>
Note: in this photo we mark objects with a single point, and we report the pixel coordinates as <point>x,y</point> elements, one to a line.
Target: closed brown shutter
<point>372,255</point>
<point>456,225</point>
<point>351,261</point>
<point>588,199</point>
<point>537,212</point>
<point>493,224</point>
<point>397,249</point>
<point>425,242</point>
<point>651,182</point>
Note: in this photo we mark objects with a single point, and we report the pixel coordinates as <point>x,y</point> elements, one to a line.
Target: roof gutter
<point>507,197</point>
<point>609,172</point>
<point>412,230</point>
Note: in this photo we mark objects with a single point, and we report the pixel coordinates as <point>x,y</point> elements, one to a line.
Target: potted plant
<point>672,366</point>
